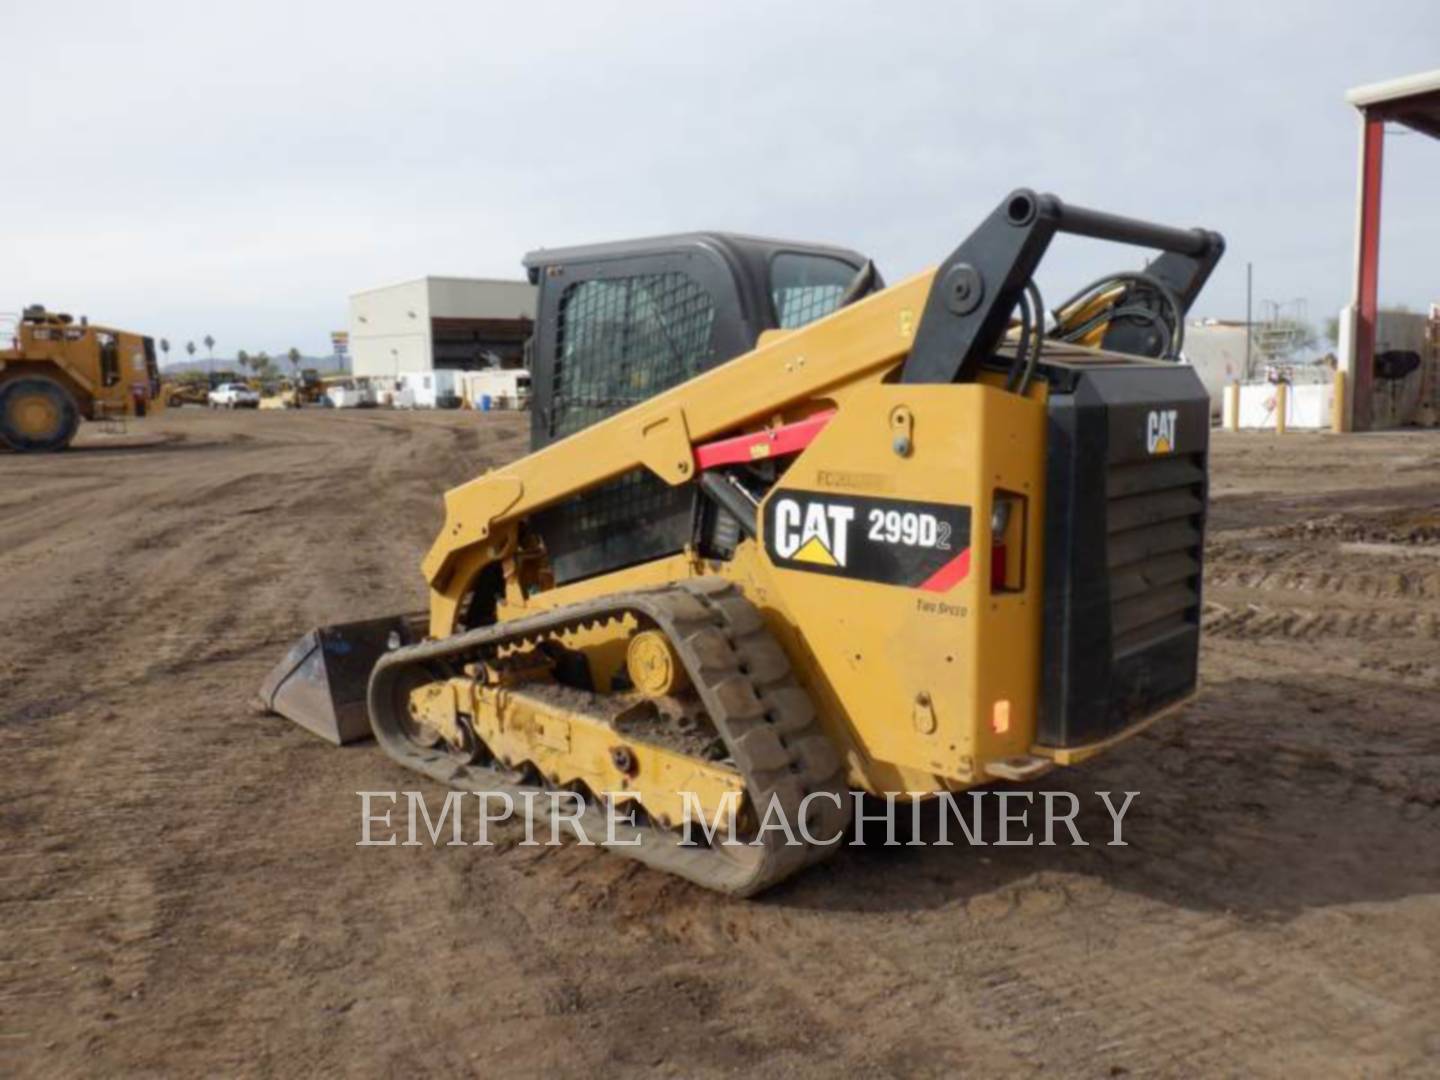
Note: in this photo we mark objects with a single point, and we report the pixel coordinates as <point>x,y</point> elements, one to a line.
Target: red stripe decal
<point>949,575</point>
<point>760,445</point>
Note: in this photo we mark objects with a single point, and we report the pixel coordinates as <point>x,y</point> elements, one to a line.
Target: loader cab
<point>619,323</point>
<point>107,345</point>
<point>129,372</point>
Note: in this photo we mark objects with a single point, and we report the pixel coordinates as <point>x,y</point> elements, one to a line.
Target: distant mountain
<point>229,363</point>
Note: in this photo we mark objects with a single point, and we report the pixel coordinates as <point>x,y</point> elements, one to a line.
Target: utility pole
<point>1249,321</point>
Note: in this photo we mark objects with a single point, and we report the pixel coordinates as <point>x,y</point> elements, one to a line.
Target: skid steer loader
<point>786,534</point>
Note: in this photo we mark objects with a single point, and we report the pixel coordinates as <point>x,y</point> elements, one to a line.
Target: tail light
<point>1007,542</point>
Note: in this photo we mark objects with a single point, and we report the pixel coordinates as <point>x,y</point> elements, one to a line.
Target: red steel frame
<point>1367,286</point>
<point>1413,101</point>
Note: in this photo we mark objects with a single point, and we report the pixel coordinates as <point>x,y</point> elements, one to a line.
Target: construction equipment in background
<point>189,390</point>
<point>309,387</point>
<point>785,534</point>
<point>279,394</point>
<point>306,388</point>
<point>58,371</point>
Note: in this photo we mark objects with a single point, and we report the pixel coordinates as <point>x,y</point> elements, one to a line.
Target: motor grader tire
<point>37,415</point>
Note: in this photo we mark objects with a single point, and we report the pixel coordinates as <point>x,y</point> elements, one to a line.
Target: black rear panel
<point>1124,534</point>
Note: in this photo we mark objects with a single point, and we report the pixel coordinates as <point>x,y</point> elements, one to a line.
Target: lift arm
<point>978,287</point>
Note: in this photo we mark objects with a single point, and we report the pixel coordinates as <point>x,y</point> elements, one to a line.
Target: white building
<point>463,324</point>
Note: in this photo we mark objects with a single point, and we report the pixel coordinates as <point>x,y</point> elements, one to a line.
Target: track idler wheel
<point>654,666</point>
<point>415,729</point>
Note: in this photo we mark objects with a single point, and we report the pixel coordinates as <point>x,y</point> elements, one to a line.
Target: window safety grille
<point>806,287</point>
<point>625,340</point>
<point>621,342</point>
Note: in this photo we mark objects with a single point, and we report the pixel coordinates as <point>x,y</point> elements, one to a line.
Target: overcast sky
<point>239,169</point>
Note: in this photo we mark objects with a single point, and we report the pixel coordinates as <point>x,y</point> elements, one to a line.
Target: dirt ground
<point>182,893</point>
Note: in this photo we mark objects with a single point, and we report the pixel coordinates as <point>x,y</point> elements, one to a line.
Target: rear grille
<point>1155,518</point>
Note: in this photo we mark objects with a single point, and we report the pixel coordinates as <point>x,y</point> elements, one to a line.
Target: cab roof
<point>739,249</point>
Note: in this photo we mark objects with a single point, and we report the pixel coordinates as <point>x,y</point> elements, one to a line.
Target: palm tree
<point>210,350</point>
<point>165,348</point>
<point>190,348</point>
<point>243,359</point>
<point>294,357</point>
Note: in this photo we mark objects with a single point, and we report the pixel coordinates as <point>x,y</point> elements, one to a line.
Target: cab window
<point>804,288</point>
<point>152,369</point>
<point>623,340</point>
<point>109,358</point>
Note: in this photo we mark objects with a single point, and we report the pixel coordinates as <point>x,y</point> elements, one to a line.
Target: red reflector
<point>997,566</point>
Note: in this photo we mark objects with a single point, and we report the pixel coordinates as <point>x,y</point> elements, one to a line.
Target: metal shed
<point>1413,101</point>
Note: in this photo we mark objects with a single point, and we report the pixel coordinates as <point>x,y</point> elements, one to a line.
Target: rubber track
<point>743,678</point>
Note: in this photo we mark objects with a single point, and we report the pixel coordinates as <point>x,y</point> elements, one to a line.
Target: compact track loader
<point>786,534</point>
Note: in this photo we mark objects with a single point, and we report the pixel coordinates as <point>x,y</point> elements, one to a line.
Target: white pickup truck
<point>233,395</point>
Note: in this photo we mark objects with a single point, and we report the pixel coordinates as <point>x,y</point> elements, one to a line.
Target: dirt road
<point>182,893</point>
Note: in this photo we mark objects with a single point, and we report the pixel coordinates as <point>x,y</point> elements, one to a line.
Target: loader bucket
<point>321,683</point>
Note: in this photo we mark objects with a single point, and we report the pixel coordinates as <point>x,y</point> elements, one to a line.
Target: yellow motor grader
<point>188,391</point>
<point>786,534</point>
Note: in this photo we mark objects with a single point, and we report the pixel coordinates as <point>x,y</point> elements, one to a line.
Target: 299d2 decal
<point>918,545</point>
